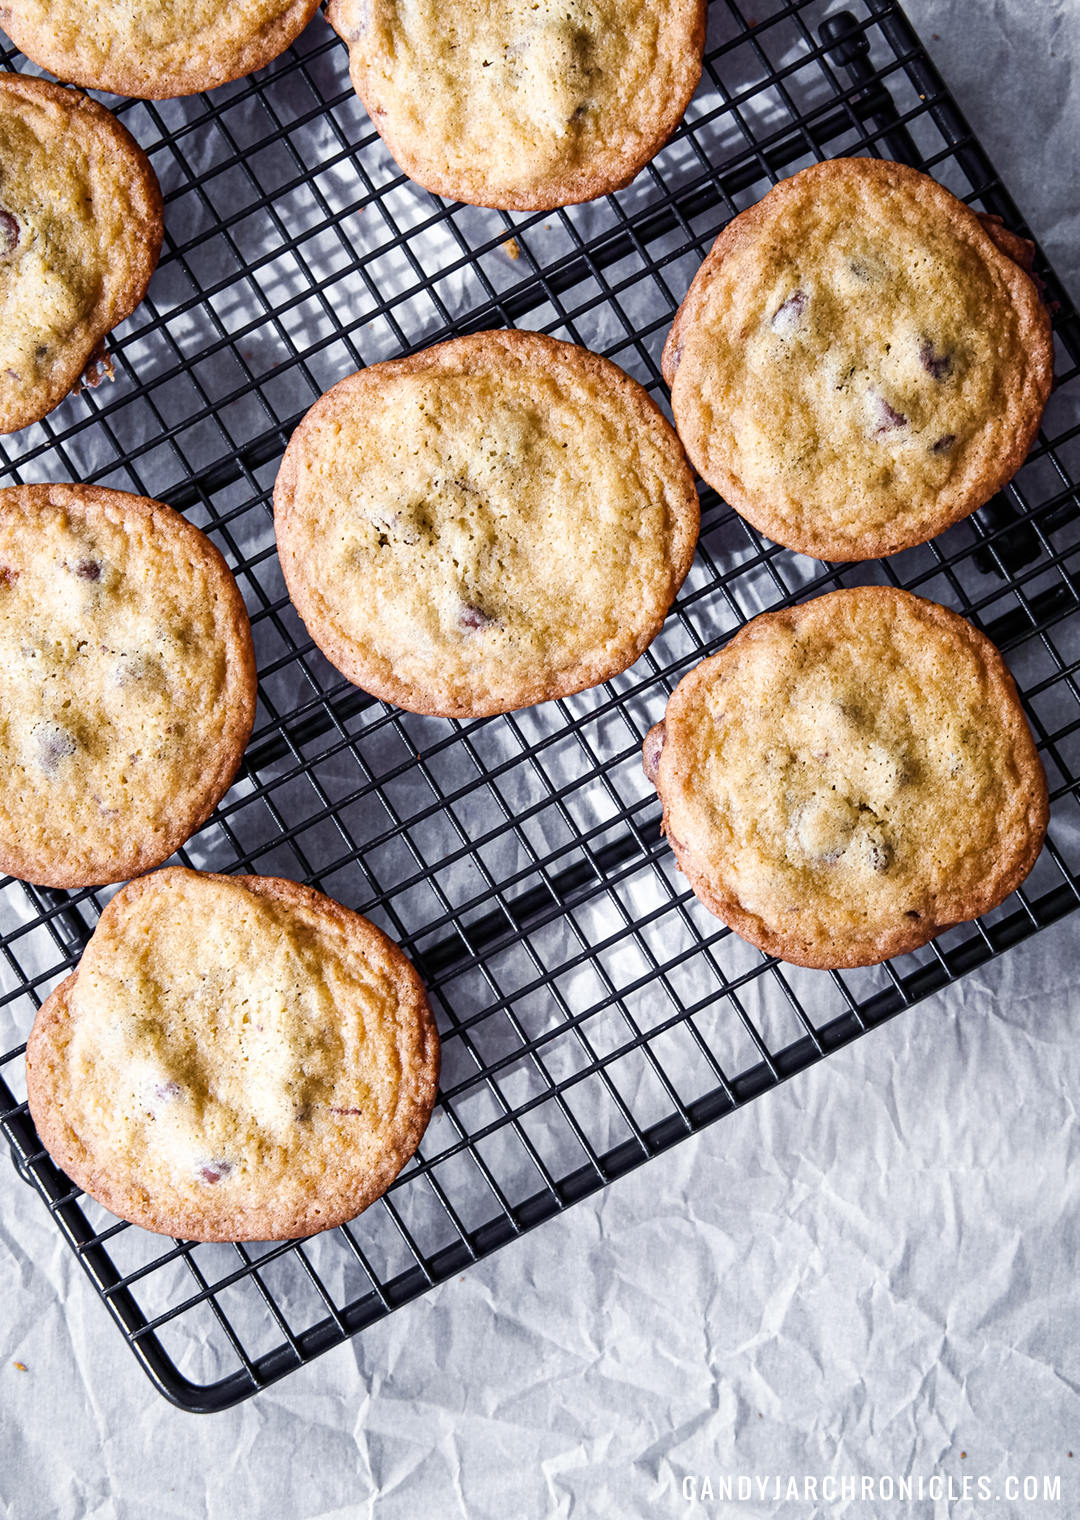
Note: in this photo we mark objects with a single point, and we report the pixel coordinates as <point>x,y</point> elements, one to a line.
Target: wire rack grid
<point>592,1012</point>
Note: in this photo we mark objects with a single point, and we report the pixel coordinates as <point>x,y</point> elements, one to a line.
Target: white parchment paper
<point>869,1274</point>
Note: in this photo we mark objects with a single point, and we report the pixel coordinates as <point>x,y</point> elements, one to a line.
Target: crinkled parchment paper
<point>870,1273</point>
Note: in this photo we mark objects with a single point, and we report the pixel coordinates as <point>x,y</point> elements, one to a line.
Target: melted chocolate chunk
<point>53,746</point>
<point>472,619</point>
<point>99,367</point>
<point>344,1111</point>
<point>788,316</point>
<point>88,570</point>
<point>935,365</point>
<point>213,1171</point>
<point>8,576</point>
<point>650,750</point>
<point>943,445</point>
<point>888,420</point>
<point>9,232</point>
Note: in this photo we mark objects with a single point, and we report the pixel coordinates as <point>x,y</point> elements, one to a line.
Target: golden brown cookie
<point>127,683</point>
<point>236,1058</point>
<point>496,521</point>
<point>859,362</point>
<point>524,104</point>
<point>849,777</point>
<point>154,49</point>
<point>80,234</point>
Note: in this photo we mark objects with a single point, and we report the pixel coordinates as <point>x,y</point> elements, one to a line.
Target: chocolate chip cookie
<point>860,362</point>
<point>236,1058</point>
<point>525,104</point>
<point>80,234</point>
<point>496,521</point>
<point>127,683</point>
<point>849,777</point>
<point>154,49</point>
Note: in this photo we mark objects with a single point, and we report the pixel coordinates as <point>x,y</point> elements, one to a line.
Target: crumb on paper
<point>22,1367</point>
<point>512,248</point>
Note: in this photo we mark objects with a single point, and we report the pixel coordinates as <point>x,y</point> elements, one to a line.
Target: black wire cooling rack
<point>592,1012</point>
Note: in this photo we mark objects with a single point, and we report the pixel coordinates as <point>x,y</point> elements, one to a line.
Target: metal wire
<point>592,1012</point>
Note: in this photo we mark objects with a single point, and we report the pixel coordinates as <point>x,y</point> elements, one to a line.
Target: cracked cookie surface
<point>523,105</point>
<point>859,363</point>
<point>236,1058</point>
<point>156,49</point>
<point>849,777</point>
<point>494,522</point>
<point>80,234</point>
<point>127,683</point>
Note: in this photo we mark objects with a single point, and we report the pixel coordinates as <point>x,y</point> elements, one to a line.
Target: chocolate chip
<point>344,1111</point>
<point>98,367</point>
<point>788,316</point>
<point>473,619</point>
<point>888,420</point>
<point>650,750</point>
<point>936,365</point>
<point>8,576</point>
<point>944,445</point>
<point>88,570</point>
<point>9,232</point>
<point>54,744</point>
<point>213,1171</point>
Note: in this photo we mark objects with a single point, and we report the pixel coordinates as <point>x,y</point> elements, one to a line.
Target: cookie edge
<point>242,684</point>
<point>620,168</point>
<point>996,249</point>
<point>262,47</point>
<point>70,1154</point>
<point>523,347</point>
<point>901,940</point>
<point>143,249</point>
